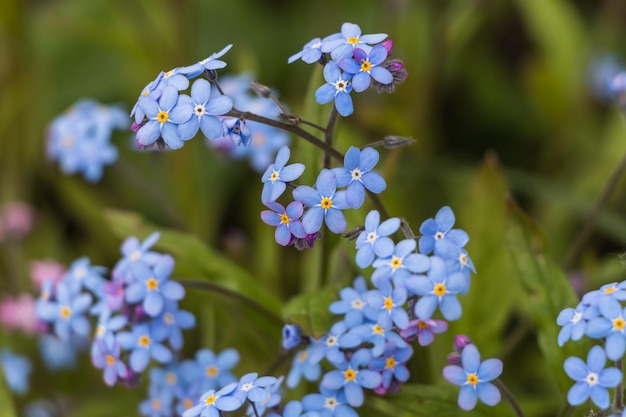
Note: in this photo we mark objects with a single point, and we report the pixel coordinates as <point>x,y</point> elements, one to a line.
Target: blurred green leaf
<point>546,289</point>
<point>428,401</point>
<point>7,408</point>
<point>195,258</point>
<point>310,311</point>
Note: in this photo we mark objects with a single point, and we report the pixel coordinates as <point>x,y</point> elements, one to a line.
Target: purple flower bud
<point>454,358</point>
<point>388,44</point>
<point>460,341</point>
<point>291,336</point>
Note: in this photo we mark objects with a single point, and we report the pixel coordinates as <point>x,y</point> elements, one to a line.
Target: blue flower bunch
<point>352,61</point>
<point>80,138</point>
<point>600,316</point>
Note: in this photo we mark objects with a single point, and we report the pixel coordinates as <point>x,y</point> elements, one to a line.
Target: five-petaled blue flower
<point>366,66</point>
<point>164,116</point>
<point>142,345</point>
<point>439,236</point>
<point>212,402</point>
<point>337,88</point>
<point>592,380</point>
<point>357,174</point>
<point>343,46</point>
<point>205,109</point>
<point>277,175</point>
<point>610,325</point>
<point>374,240</point>
<point>208,64</point>
<point>286,220</point>
<point>324,204</point>
<point>473,378</point>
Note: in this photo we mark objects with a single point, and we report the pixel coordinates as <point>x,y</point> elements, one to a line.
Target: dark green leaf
<point>310,311</point>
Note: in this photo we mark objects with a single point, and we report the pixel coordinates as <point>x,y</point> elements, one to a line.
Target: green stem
<point>328,134</point>
<point>209,286</point>
<point>618,402</point>
<point>509,397</point>
<point>592,218</point>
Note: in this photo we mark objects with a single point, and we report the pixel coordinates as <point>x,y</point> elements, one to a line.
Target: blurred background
<point>503,98</point>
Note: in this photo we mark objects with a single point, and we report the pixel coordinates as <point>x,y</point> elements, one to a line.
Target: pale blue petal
<point>335,221</point>
<point>312,219</point>
<point>467,397</point>
<point>488,393</point>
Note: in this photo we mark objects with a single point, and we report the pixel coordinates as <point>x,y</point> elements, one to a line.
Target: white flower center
<point>591,379</point>
<point>341,86</point>
<point>199,110</point>
<point>577,316</point>
<point>356,174</point>
<point>331,403</point>
<point>371,237</point>
<point>357,304</point>
<point>332,341</point>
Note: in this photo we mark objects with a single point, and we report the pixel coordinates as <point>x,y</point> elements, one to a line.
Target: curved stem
<point>209,286</point>
<point>592,218</point>
<point>509,397</point>
<point>328,134</point>
<point>289,127</point>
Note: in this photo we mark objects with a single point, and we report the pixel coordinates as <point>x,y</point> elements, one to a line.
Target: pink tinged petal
<point>270,218</point>
<point>467,397</point>
<point>488,393</point>
<point>121,369</point>
<point>148,133</point>
<point>470,358</point>
<point>336,221</point>
<point>282,235</point>
<point>425,338</point>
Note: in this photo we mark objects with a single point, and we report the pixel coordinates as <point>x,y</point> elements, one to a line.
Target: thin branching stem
<point>508,396</point>
<point>328,134</point>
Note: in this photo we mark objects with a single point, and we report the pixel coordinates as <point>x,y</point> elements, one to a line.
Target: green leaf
<point>198,260</point>
<point>428,401</point>
<point>310,311</point>
<point>546,289</point>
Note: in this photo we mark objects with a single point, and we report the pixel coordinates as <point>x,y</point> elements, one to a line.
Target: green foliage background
<point>508,134</point>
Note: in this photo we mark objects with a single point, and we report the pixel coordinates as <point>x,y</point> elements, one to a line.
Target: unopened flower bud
<point>454,358</point>
<point>391,142</point>
<point>388,44</point>
<point>262,90</point>
<point>396,68</point>
<point>460,341</point>
<point>291,336</point>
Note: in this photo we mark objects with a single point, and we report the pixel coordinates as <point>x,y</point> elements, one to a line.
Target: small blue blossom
<point>212,402</point>
<point>286,220</point>
<point>357,174</point>
<point>612,290</point>
<point>351,37</point>
<point>402,262</point>
<point>610,325</point>
<point>107,357</point>
<point>592,380</point>
<point>374,240</point>
<point>353,304</point>
<point>142,346</point>
<point>438,235</point>
<point>58,354</point>
<point>574,321</point>
<point>67,312</point>
<point>291,336</point>
<point>378,336</point>
<point>237,130</point>
<point>168,324</point>
<point>215,370</point>
<point>425,330</point>
<point>16,369</point>
<point>164,116</point>
<point>303,366</point>
<point>82,274</point>
<point>277,175</point>
<point>153,286</point>
<point>208,64</point>
<point>367,66</point>
<point>474,378</point>
<point>134,251</point>
<point>328,403</point>
<point>329,345</point>
<point>337,88</point>
<point>205,109</point>
<point>253,388</point>
<point>391,364</point>
<point>438,289</point>
<point>389,302</point>
<point>159,404</point>
<point>311,52</point>
<point>353,377</point>
<point>325,204</point>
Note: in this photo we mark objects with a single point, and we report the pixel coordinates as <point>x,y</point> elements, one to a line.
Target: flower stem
<point>328,134</point>
<point>209,286</point>
<point>256,412</point>
<point>592,218</point>
<point>618,402</point>
<point>509,397</point>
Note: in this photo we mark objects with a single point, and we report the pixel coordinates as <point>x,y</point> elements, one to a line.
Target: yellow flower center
<point>618,323</point>
<point>388,303</point>
<point>472,379</point>
<point>144,341</point>
<point>366,66</point>
<point>275,175</point>
<point>135,255</point>
<point>65,312</point>
<point>352,41</point>
<point>187,403</point>
<point>326,203</point>
<point>440,290</point>
<point>422,325</point>
<point>156,404</point>
<point>390,363</point>
<point>377,329</point>
<point>396,262</point>
<point>110,360</point>
<point>349,374</point>
<point>211,400</point>
<point>302,356</point>
<point>284,219</point>
<point>170,377</point>
<point>212,371</point>
<point>152,284</point>
<point>609,290</point>
<point>162,116</point>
